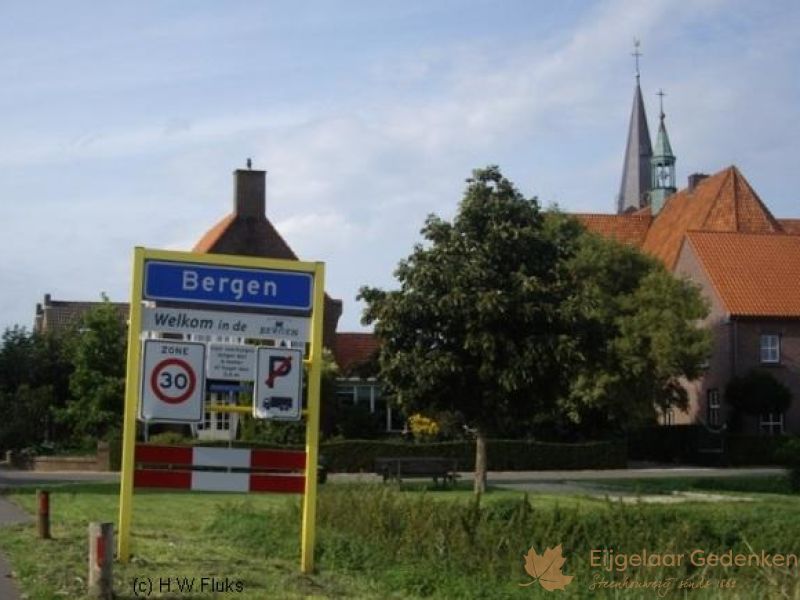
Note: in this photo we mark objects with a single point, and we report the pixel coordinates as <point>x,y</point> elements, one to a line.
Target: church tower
<point>636,176</point>
<point>663,165</point>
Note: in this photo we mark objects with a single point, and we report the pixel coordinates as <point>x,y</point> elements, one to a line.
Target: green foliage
<point>376,542</point>
<point>757,392</point>
<point>673,443</point>
<point>681,444</point>
<point>479,324</point>
<point>741,449</point>
<point>169,438</point>
<point>356,421</point>
<point>520,319</point>
<point>423,545</point>
<point>503,455</point>
<point>34,374</point>
<point>638,337</point>
<point>98,381</point>
<point>273,433</point>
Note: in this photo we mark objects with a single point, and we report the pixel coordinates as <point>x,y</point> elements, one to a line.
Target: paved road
<point>554,479</point>
<point>10,478</point>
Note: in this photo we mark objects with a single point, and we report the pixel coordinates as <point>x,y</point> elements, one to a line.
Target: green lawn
<point>377,541</point>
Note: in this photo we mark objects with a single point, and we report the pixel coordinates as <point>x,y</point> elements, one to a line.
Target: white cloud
<point>351,178</point>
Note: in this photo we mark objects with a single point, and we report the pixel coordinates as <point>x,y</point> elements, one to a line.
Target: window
<point>770,348</point>
<point>771,423</point>
<point>713,407</point>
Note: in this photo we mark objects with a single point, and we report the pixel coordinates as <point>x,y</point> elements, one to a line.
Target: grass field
<point>378,541</point>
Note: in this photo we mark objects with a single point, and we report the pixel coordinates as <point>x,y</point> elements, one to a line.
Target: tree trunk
<point>480,462</point>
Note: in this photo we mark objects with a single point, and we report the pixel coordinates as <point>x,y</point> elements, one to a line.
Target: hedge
<point>685,444</point>
<point>502,455</point>
<point>755,449</point>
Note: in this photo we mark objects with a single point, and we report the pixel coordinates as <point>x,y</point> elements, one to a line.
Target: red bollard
<point>43,498</point>
<point>101,542</point>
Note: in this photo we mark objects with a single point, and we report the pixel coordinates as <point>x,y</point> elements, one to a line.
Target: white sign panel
<point>209,322</point>
<point>173,384</point>
<point>279,383</point>
<point>231,362</point>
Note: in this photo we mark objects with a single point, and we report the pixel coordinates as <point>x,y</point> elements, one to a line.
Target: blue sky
<point>122,122</point>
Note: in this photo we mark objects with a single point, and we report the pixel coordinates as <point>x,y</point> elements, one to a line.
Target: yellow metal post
<point>308,533</point>
<point>131,402</point>
<point>314,363</point>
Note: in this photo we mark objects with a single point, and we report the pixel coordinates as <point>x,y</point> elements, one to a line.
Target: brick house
<point>755,318</point>
<point>718,233</point>
<point>247,231</point>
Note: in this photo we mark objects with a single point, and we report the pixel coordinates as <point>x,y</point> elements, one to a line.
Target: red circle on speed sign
<point>180,379</point>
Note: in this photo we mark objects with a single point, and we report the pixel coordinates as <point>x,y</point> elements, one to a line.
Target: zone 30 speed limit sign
<point>173,381</point>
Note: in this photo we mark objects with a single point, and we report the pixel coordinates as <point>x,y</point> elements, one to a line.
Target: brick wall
<point>736,344</point>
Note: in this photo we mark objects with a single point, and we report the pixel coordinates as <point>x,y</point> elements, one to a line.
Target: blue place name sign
<point>234,286</point>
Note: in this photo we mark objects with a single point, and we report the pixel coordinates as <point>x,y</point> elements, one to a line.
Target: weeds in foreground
<point>460,549</point>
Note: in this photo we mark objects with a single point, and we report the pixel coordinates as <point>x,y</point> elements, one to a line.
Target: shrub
<point>423,428</point>
<point>170,438</point>
<point>757,392</point>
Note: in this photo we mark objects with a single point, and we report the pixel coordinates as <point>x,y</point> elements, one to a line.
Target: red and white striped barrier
<point>201,469</point>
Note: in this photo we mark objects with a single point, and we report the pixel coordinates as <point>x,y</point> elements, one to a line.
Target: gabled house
<point>718,233</point>
<point>750,281</point>
<point>248,231</point>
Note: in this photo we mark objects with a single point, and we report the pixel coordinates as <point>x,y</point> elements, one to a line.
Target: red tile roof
<point>353,349</point>
<point>211,237</point>
<point>629,228</point>
<point>754,274</point>
<point>790,225</point>
<point>245,236</point>
<point>723,202</point>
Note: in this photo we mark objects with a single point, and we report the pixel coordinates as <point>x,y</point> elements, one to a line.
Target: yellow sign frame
<point>133,374</point>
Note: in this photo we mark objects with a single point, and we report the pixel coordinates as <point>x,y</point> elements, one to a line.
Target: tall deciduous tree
<point>481,323</point>
<point>98,382</point>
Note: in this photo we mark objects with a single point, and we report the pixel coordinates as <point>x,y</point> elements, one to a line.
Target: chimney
<point>249,193</point>
<point>694,179</point>
<point>47,299</point>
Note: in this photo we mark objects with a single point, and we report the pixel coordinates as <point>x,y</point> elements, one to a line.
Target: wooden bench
<point>417,466</point>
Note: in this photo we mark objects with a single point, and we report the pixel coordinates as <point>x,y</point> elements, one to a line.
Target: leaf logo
<point>546,569</point>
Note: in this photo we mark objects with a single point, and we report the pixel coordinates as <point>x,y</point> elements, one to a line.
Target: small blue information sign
<point>233,286</point>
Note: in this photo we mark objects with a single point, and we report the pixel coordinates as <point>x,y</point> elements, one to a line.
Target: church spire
<point>662,164</point>
<point>635,186</point>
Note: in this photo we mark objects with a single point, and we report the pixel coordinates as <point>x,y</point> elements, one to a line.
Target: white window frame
<point>769,348</point>
<point>771,423</point>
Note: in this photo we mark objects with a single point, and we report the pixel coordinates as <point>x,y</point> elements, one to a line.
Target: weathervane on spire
<point>661,95</point>
<point>636,54</point>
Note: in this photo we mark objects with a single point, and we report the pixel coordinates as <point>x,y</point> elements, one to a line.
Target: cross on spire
<point>661,95</point>
<point>636,54</point>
